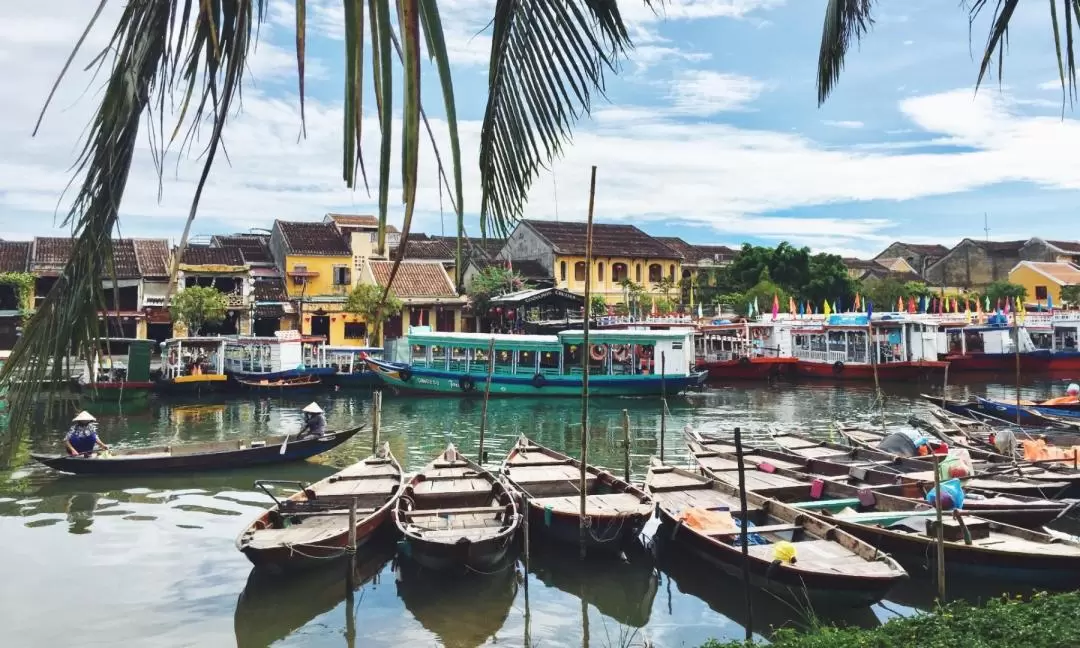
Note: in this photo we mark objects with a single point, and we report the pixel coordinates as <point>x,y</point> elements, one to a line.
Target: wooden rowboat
<point>295,383</point>
<point>456,516</point>
<point>831,567</point>
<point>905,529</point>
<point>549,481</point>
<point>313,524</point>
<point>194,457</point>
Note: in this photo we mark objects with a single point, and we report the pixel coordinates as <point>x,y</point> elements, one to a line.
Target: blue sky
<point>711,130</point>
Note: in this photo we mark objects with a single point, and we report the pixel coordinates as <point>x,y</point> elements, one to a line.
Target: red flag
<point>911,304</point>
<point>899,304</point>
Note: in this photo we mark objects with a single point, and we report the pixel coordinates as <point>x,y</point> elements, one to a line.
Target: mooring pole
<point>583,529</point>
<point>376,419</point>
<point>663,404</point>
<point>626,444</point>
<point>1016,327</point>
<point>940,540</point>
<point>743,534</point>
<point>487,395</point>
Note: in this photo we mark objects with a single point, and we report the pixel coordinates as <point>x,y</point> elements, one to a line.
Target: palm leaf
<point>845,21</point>
<point>548,59</point>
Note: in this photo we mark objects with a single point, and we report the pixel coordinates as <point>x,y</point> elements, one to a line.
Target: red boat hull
<point>890,371</point>
<point>1037,362</point>
<point>748,368</point>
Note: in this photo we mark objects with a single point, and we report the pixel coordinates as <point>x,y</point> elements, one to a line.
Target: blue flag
<point>869,310</point>
<point>1049,302</point>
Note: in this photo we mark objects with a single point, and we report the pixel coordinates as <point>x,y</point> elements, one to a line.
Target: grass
<point>1043,621</point>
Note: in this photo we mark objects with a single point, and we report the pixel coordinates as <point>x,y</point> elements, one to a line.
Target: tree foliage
<point>598,307</point>
<point>491,282</point>
<point>1070,295</point>
<point>793,272</point>
<point>883,293</point>
<point>364,301</point>
<point>197,306</point>
<point>1004,290</point>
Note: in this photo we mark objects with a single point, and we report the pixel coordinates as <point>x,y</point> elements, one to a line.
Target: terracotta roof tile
<point>427,249</point>
<point>50,253</point>
<point>269,290</point>
<point>608,239</point>
<point>354,220</point>
<point>14,256</point>
<point>1000,247</point>
<point>206,255</point>
<point>313,239</point>
<point>125,260</point>
<point>415,279</point>
<point>254,247</point>
<point>152,256</point>
<point>692,252</point>
<point>1070,247</point>
<point>474,247</point>
<point>527,268</point>
<point>1065,274</point>
<point>927,249</point>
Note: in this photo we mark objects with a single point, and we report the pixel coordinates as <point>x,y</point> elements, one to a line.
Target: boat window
<point>974,342</point>
<point>504,361</point>
<point>622,360</point>
<point>355,330</point>
<point>1065,339</point>
<point>419,354</point>
<point>619,272</point>
<point>572,359</point>
<point>579,271</point>
<point>526,362</point>
<point>656,273</point>
<point>1041,339</point>
<point>549,362</point>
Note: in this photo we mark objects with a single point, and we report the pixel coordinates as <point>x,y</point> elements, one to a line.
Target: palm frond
<point>845,21</point>
<point>548,59</point>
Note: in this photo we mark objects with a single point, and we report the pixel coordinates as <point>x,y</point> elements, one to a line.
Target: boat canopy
<point>483,340</point>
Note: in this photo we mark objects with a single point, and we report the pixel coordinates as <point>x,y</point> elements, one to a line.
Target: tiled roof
<point>927,249</point>
<point>50,253</point>
<point>692,252</point>
<point>851,263</point>
<point>218,256</point>
<point>354,220</point>
<point>527,268</point>
<point>1070,247</point>
<point>269,290</point>
<point>125,262</point>
<point>473,246</point>
<point>312,239</point>
<point>152,256</point>
<point>254,247</point>
<point>677,244</point>
<point>1065,274</point>
<point>426,249</point>
<point>712,251</point>
<point>417,279</point>
<point>608,240</point>
<point>1000,247</point>
<point>14,256</point>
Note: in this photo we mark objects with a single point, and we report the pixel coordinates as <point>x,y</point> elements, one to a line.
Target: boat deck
<point>608,505</point>
<point>550,480</point>
<point>454,501</point>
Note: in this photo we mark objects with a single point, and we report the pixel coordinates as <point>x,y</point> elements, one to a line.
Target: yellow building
<point>620,253</point>
<point>1044,280</point>
<point>317,264</point>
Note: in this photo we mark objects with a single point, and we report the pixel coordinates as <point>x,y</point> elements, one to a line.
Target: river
<point>151,561</point>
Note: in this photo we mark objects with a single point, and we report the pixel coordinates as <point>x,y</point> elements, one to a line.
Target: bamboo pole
<point>663,405</point>
<point>487,395</point>
<point>376,419</point>
<point>583,530</point>
<point>1016,349</point>
<point>940,541</point>
<point>743,535</point>
<point>626,444</point>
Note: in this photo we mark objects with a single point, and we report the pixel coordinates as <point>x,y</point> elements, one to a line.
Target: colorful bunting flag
<point>775,306</point>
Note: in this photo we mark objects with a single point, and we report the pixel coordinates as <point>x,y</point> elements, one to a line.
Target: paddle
<point>284,444</point>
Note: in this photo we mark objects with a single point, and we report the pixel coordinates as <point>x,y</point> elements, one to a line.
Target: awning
<point>269,311</point>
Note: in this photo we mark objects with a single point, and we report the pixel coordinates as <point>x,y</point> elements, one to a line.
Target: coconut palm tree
<point>548,63</point>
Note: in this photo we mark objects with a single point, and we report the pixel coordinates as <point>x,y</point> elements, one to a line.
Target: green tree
<point>198,306</point>
<point>597,306</point>
<point>884,292</point>
<point>491,282</point>
<point>1004,290</point>
<point>762,294</point>
<point>829,279</point>
<point>1070,295</point>
<point>367,301</point>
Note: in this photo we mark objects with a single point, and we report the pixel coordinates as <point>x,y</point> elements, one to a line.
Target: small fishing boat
<point>1030,412</point>
<point>192,365</point>
<point>118,371</point>
<point>284,385</point>
<point>956,406</point>
<point>974,547</point>
<point>313,524</point>
<point>549,482</point>
<point>878,467</point>
<point>621,363</point>
<point>456,516</point>
<point>792,555</point>
<point>719,456</point>
<point>195,457</point>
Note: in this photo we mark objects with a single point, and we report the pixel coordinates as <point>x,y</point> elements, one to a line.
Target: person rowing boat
<point>82,438</point>
<point>314,423</point>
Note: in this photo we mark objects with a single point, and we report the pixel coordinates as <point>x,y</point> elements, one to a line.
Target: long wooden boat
<point>313,523</point>
<point>621,363</point>
<point>780,472</point>
<point>954,405</point>
<point>194,457</point>
<point>830,566</point>
<point>616,510</point>
<point>904,529</point>
<point>884,468</point>
<point>1030,412</point>
<point>456,516</point>
<point>294,384</point>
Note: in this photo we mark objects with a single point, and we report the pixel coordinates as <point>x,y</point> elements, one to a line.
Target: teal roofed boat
<point>621,363</point>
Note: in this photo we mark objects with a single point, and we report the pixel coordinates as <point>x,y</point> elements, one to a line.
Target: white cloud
<point>1052,84</point>
<point>844,123</point>
<point>704,92</point>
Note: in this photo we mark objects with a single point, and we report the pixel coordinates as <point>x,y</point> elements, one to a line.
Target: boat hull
<point>117,391</point>
<point>356,379</point>
<point>605,534</point>
<point>288,558</point>
<point>429,381</point>
<point>1042,362</point>
<point>749,368</point>
<point>193,385</point>
<point>482,556</point>
<point>138,465</point>
<point>889,372</point>
<point>319,372</point>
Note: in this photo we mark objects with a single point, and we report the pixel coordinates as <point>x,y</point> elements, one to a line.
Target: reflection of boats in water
<point>724,595</point>
<point>463,612</point>
<point>622,591</point>
<point>271,608</point>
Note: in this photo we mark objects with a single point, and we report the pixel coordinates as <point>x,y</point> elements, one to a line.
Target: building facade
<point>974,264</point>
<point>1043,280</point>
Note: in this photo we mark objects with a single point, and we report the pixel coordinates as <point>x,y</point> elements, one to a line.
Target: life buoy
<point>838,367</point>
<point>405,375</point>
<point>597,352</point>
<point>466,383</point>
<point>745,360</point>
<point>620,353</point>
<point>539,380</point>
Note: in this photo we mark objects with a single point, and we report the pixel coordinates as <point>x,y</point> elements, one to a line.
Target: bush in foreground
<point>1044,621</point>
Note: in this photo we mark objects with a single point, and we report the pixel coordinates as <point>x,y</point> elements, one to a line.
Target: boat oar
<point>284,444</point>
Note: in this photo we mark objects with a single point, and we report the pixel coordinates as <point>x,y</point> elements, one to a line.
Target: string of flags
<point>969,307</point>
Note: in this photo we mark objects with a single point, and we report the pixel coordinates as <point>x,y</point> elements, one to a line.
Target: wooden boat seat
<point>452,536</point>
<point>454,511</point>
<point>823,555</point>
<point>465,474</point>
<point>771,528</point>
<point>360,513</point>
<point>823,504</point>
<point>385,484</point>
<point>608,505</point>
<point>452,485</point>
<point>450,464</point>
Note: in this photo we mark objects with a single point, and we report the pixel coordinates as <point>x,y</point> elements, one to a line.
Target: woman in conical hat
<point>82,437</point>
<point>314,422</point>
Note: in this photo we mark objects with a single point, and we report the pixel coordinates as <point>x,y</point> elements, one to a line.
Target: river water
<point>147,561</point>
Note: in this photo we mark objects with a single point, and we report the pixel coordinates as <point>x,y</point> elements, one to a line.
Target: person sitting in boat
<point>1072,395</point>
<point>82,438</point>
<point>314,422</point>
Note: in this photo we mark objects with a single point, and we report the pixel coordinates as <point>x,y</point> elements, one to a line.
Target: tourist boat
<point>194,457</point>
<point>906,530</point>
<point>312,525</point>
<point>830,567</point>
<point>877,467</point>
<point>744,351</point>
<point>1048,345</point>
<point>350,370</point>
<point>856,347</point>
<point>192,365</point>
<point>549,483</point>
<point>778,470</point>
<point>282,385</point>
<point>119,370</point>
<point>285,355</point>
<point>621,363</point>
<point>456,516</point>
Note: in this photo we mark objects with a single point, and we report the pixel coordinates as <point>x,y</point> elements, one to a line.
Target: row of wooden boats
<point>1022,412</point>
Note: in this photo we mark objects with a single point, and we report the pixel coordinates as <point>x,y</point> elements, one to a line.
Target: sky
<point>711,130</point>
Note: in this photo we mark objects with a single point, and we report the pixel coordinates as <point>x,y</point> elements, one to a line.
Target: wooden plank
<point>454,511</point>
